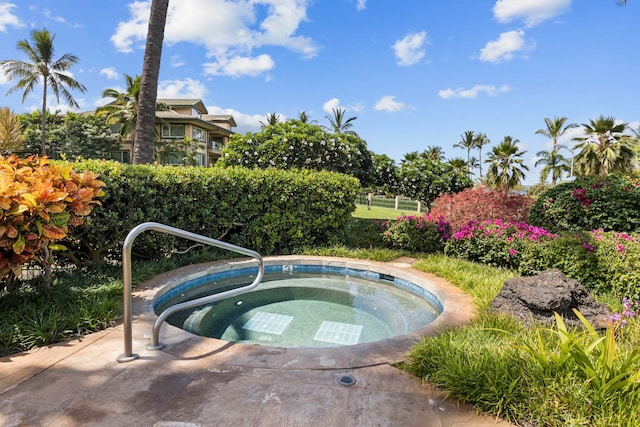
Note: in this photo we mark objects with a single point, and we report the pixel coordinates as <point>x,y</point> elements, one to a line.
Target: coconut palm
<point>410,157</point>
<point>480,141</point>
<point>467,142</point>
<point>506,168</point>
<point>43,68</point>
<point>143,150</point>
<point>555,164</point>
<point>337,122</point>
<point>123,110</point>
<point>272,119</point>
<point>604,149</point>
<point>556,128</point>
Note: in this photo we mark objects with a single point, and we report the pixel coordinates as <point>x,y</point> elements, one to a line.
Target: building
<point>186,134</point>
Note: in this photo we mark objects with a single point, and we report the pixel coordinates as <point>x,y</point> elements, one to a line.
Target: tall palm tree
<point>10,131</point>
<point>604,149</point>
<point>480,141</point>
<point>123,110</point>
<point>459,164</point>
<point>555,128</point>
<point>272,119</point>
<point>337,122</point>
<point>506,168</point>
<point>467,142</point>
<point>43,68</point>
<point>555,164</point>
<point>143,150</point>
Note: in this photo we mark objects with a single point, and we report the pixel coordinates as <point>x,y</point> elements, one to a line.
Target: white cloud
<point>490,90</point>
<point>3,77</point>
<point>8,19</point>
<point>331,104</point>
<point>239,66</point>
<point>110,73</point>
<point>245,122</point>
<point>187,88</point>
<point>389,103</point>
<point>504,48</point>
<point>532,12</point>
<point>410,49</point>
<point>229,31</point>
<point>361,4</point>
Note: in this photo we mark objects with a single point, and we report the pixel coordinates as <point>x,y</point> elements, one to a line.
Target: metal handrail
<point>128,354</point>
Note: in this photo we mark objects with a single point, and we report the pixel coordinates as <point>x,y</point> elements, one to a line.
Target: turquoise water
<point>307,310</point>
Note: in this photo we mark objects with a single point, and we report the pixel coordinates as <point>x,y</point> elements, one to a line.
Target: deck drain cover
<point>346,380</point>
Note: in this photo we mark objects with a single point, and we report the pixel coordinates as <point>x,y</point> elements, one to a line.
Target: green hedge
<point>270,211</point>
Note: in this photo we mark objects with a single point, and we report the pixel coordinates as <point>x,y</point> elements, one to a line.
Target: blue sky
<point>415,73</point>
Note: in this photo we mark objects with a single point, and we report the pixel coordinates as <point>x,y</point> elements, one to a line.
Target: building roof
<point>173,117</point>
<point>194,103</point>
<point>225,118</point>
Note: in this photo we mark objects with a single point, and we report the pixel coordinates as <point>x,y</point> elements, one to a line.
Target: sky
<point>415,73</point>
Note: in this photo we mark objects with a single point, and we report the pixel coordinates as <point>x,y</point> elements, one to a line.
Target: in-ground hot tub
<point>304,302</point>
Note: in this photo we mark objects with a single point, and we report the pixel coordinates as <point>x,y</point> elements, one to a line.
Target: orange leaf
<point>53,232</point>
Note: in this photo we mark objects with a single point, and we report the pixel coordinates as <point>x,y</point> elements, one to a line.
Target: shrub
<point>589,203</point>
<point>496,243</point>
<point>270,211</point>
<point>480,204</point>
<point>39,202</point>
<point>421,233</point>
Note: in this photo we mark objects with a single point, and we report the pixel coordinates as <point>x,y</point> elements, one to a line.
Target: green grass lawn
<point>377,212</point>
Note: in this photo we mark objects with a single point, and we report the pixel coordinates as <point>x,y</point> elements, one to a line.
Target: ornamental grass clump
<point>417,233</point>
<point>495,242</point>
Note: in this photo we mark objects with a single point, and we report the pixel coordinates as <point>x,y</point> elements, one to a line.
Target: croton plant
<point>40,200</point>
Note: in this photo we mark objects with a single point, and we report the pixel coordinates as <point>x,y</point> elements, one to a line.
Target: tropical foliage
<point>425,179</point>
<point>338,123</point>
<point>297,145</point>
<point>42,67</point>
<point>554,164</point>
<point>506,166</point>
<point>39,203</point>
<point>604,149</point>
<point>10,132</point>
<point>555,129</point>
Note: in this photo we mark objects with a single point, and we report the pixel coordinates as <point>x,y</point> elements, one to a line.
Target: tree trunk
<point>144,134</point>
<point>43,137</point>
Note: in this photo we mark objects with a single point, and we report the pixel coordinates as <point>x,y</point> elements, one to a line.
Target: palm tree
<point>338,123</point>
<point>467,142</point>
<point>434,153</point>
<point>506,165</point>
<point>10,131</point>
<point>555,128</point>
<point>43,67</point>
<point>143,150</point>
<point>554,163</point>
<point>604,149</point>
<point>272,120</point>
<point>480,141</point>
<point>123,109</point>
<point>459,164</point>
<point>410,157</point>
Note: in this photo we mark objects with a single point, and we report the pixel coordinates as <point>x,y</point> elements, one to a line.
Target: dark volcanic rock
<point>538,297</point>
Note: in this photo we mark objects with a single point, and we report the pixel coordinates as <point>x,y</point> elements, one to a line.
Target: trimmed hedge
<point>270,211</point>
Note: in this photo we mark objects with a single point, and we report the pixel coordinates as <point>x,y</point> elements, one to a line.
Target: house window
<point>121,156</point>
<point>196,113</point>
<point>174,159</point>
<point>172,131</point>
<point>199,159</point>
<point>199,134</point>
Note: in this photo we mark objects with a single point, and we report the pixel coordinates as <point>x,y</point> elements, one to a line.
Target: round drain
<point>346,380</point>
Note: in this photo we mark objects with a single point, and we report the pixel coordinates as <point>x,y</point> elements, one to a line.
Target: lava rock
<point>539,297</point>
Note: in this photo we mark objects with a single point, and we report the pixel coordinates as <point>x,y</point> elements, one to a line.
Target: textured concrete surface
<point>197,381</point>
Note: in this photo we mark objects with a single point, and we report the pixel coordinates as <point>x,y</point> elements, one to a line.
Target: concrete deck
<point>196,381</point>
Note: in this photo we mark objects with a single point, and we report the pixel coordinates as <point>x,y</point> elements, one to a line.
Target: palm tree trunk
<point>43,137</point>
<point>144,134</point>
